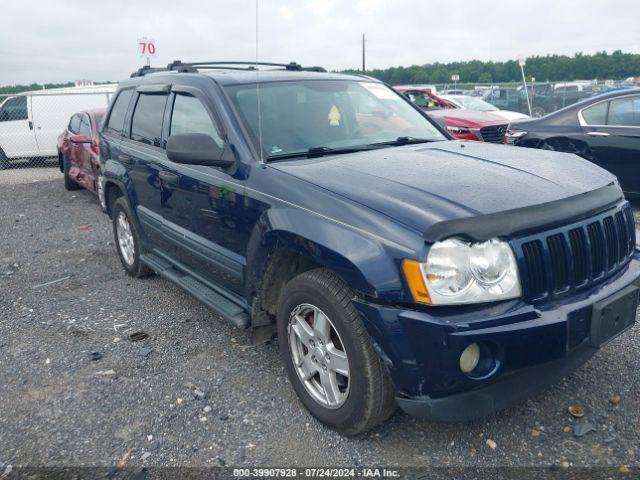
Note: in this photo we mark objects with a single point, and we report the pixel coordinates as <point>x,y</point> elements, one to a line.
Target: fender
<point>365,262</point>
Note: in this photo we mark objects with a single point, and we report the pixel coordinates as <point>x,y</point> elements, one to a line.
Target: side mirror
<point>79,139</point>
<point>196,149</point>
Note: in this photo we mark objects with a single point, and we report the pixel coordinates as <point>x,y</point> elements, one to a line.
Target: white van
<point>31,121</point>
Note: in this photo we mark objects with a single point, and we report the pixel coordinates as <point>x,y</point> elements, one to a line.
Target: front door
<point>17,137</point>
<point>206,204</point>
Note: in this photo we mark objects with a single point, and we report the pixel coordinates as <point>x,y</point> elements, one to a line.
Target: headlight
<point>458,272</point>
<point>512,135</point>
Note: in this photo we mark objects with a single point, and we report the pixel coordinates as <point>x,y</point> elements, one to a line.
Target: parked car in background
<point>471,125</point>
<point>568,93</point>
<point>396,267</point>
<point>467,102</point>
<point>460,123</point>
<point>79,153</point>
<point>31,121</point>
<point>604,129</point>
<point>423,97</point>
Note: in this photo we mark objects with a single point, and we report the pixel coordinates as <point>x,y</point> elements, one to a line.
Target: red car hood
<point>467,118</point>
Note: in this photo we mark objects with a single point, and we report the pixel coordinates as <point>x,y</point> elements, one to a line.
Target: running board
<point>223,306</point>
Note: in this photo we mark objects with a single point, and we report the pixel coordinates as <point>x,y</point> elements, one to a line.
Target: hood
<point>467,118</point>
<point>420,185</point>
<point>509,115</point>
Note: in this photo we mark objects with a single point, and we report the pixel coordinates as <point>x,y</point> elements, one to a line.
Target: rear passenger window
<point>596,115</point>
<point>118,112</point>
<point>625,112</point>
<point>85,127</point>
<point>190,116</point>
<point>146,125</point>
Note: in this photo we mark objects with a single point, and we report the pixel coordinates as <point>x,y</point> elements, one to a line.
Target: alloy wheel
<point>100,191</point>
<point>319,356</point>
<point>125,238</point>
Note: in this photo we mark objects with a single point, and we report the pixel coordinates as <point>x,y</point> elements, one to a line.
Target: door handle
<point>30,125</point>
<point>126,159</point>
<point>168,177</point>
<point>598,134</point>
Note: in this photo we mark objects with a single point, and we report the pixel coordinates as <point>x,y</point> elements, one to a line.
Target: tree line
<point>601,66</point>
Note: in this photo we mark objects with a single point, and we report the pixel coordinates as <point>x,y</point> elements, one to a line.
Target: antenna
<point>364,70</point>
<point>258,92</point>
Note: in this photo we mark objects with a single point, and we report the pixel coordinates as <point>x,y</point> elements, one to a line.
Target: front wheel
<point>328,354</point>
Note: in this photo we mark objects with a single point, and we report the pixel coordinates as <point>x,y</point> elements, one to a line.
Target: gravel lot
<point>62,407</point>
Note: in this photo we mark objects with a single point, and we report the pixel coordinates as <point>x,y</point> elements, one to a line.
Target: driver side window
<point>14,109</point>
<point>190,116</point>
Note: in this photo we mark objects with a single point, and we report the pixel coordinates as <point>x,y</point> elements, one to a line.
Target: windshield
<point>472,103</point>
<point>314,115</point>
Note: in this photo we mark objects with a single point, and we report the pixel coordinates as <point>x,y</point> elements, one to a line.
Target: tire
<point>127,240</point>
<point>68,183</point>
<point>364,398</point>
<point>4,161</point>
<point>102,199</point>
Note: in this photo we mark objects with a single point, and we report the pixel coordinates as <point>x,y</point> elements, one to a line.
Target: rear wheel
<point>328,354</point>
<point>127,240</point>
<point>100,191</point>
<point>4,161</point>
<point>68,183</point>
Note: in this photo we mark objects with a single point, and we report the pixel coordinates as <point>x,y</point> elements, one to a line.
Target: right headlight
<point>459,272</point>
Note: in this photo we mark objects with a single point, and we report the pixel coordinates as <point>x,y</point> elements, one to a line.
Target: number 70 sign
<point>147,47</point>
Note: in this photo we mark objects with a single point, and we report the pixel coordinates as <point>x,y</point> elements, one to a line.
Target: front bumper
<point>535,346</point>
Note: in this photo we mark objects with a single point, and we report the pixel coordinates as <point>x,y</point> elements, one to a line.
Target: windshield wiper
<point>314,152</point>
<point>404,141</point>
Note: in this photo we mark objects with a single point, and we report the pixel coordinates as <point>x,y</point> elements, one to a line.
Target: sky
<point>64,40</point>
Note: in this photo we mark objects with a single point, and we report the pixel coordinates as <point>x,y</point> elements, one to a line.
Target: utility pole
<point>363,55</point>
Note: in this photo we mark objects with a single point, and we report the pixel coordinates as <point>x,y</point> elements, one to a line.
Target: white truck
<point>30,122</point>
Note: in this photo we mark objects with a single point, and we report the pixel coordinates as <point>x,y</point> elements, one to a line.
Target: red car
<point>460,123</point>
<point>472,125</point>
<point>79,153</point>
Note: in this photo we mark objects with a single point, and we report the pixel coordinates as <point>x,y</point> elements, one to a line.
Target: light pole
<point>522,63</point>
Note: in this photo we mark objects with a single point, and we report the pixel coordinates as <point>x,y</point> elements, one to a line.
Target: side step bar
<point>223,306</point>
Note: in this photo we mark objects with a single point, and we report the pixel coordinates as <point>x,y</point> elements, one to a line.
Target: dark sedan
<point>604,129</point>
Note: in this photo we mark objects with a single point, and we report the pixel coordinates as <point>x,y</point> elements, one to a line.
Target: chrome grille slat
<point>577,255</point>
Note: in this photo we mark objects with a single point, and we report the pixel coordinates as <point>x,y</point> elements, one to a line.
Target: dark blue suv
<point>396,266</point>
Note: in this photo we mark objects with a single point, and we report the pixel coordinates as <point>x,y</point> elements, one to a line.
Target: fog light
<point>470,358</point>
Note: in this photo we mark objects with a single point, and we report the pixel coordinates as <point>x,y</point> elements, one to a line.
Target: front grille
<point>576,256</point>
<point>494,133</point>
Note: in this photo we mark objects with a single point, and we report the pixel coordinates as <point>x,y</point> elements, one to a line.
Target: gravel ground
<point>63,407</point>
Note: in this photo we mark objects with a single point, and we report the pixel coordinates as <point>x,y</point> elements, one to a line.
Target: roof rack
<point>195,67</point>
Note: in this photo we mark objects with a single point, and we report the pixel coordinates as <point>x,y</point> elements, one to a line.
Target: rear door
<point>142,151</point>
<point>17,137</point>
<point>612,131</point>
<point>83,153</point>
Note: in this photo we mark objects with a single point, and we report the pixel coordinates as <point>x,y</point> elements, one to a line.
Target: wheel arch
<point>285,244</point>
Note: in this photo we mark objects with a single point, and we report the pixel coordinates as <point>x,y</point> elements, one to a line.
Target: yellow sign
<point>334,117</point>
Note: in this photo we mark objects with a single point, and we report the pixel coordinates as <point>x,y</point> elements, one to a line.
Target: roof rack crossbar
<point>192,67</point>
